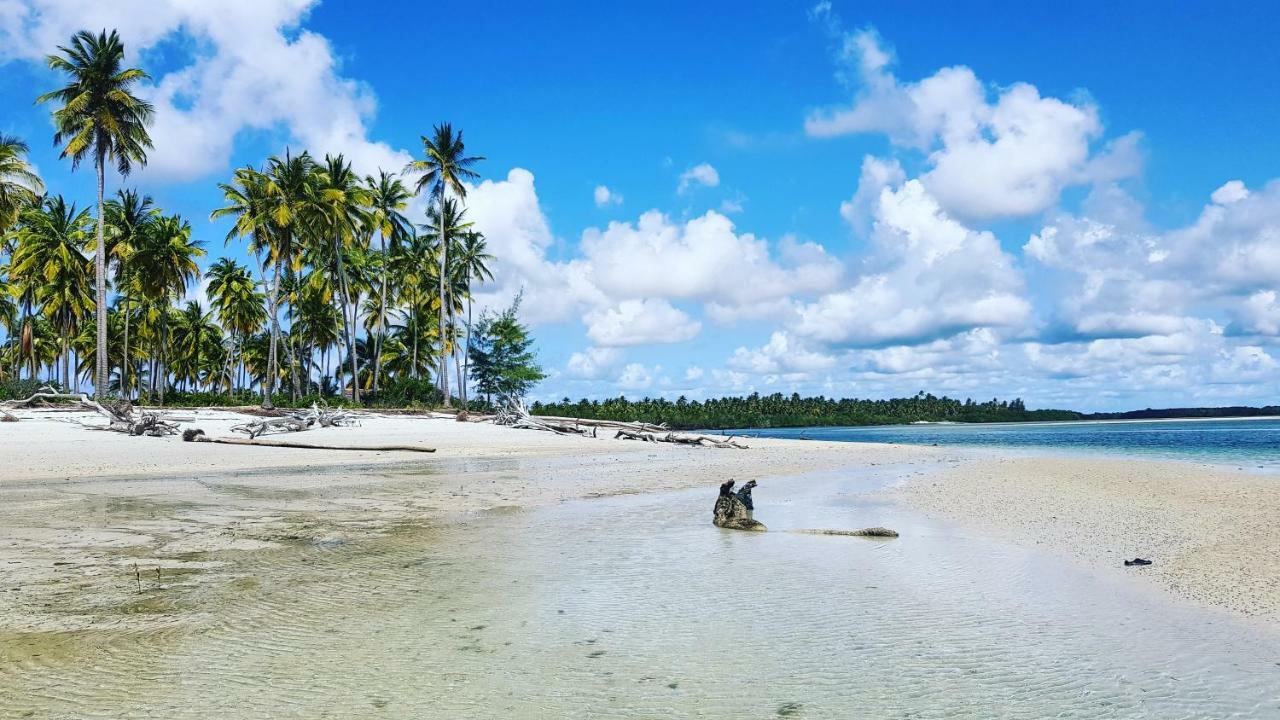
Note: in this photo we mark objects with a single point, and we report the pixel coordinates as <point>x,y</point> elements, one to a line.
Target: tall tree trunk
<point>382,315</point>
<point>269,383</point>
<point>100,380</point>
<point>66,361</point>
<point>293,351</point>
<point>163,365</point>
<point>124,362</point>
<point>457,368</point>
<point>347,330</point>
<point>466,351</point>
<point>444,307</point>
<point>413,324</point>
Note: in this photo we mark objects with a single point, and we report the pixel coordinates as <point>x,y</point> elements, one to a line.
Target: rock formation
<point>733,510</point>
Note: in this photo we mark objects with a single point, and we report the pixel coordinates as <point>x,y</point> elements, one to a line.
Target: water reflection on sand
<point>636,606</point>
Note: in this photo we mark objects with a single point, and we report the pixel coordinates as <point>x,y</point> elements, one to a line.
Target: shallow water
<point>1248,443</point>
<point>637,607</point>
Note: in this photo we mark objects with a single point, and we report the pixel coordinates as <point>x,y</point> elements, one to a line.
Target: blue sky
<point>848,198</point>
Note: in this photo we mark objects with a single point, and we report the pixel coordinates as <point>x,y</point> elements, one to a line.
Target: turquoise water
<point>1240,442</point>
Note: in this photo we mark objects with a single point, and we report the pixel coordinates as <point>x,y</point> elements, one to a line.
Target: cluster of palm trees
<point>337,264</point>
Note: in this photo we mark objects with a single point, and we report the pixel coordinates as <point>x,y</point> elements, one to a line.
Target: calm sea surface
<point>1239,442</point>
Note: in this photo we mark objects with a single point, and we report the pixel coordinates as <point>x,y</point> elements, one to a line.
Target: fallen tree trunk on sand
<point>298,422</point>
<point>120,416</point>
<point>515,415</point>
<point>679,439</point>
<point>198,435</point>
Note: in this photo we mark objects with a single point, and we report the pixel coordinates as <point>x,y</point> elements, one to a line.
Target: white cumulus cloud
<point>702,174</point>
<point>988,158</point>
<point>605,197</point>
<point>251,65</point>
<point>640,322</point>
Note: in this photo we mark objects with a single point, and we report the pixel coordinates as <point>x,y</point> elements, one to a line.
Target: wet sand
<point>1210,532</point>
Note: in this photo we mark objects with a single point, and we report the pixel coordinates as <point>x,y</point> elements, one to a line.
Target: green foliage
<point>19,389</point>
<point>502,359</point>
<point>406,392</point>
<point>778,410</point>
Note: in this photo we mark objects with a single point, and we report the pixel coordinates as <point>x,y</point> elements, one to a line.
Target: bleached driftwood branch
<point>120,416</point>
<point>299,421</point>
<point>679,439</point>
<point>197,435</point>
<point>514,414</point>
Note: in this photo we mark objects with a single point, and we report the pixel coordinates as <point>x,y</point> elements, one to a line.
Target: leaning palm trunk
<point>100,380</point>
<point>444,306</point>
<point>269,382</point>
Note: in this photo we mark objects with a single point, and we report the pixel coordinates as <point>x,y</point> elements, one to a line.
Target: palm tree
<point>20,187</point>
<point>129,216</point>
<point>196,341</point>
<point>443,169</point>
<point>165,264</point>
<point>292,205</point>
<point>444,226</point>
<point>388,197</point>
<point>471,262</point>
<point>49,260</point>
<point>342,203</point>
<point>99,117</point>
<point>239,304</point>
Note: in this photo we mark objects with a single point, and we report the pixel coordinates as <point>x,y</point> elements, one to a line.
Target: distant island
<point>779,410</point>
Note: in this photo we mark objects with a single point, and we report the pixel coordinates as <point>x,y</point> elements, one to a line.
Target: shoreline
<point>79,502</point>
<point>1207,528</point>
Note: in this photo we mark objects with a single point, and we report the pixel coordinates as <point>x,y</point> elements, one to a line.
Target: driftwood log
<point>120,416</point>
<point>197,435</point>
<point>514,414</point>
<point>316,416</point>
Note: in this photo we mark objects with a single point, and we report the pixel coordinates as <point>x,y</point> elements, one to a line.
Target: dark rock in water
<point>731,513</point>
<point>1136,561</point>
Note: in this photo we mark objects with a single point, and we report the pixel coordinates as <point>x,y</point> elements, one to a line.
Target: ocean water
<point>636,607</point>
<point>1248,443</point>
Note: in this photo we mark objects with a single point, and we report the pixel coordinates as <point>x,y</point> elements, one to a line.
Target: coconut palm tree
<point>342,203</point>
<point>471,262</point>
<point>388,197</point>
<point>239,303</point>
<point>50,263</point>
<point>20,187</point>
<point>128,215</point>
<point>100,118</point>
<point>164,263</point>
<point>444,226</point>
<point>196,340</point>
<point>443,169</point>
<point>293,207</point>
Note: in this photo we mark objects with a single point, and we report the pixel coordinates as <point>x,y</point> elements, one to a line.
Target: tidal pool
<point>636,607</point>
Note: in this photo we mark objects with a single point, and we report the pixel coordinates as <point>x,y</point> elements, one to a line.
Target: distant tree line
<point>1169,413</point>
<point>778,410</point>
